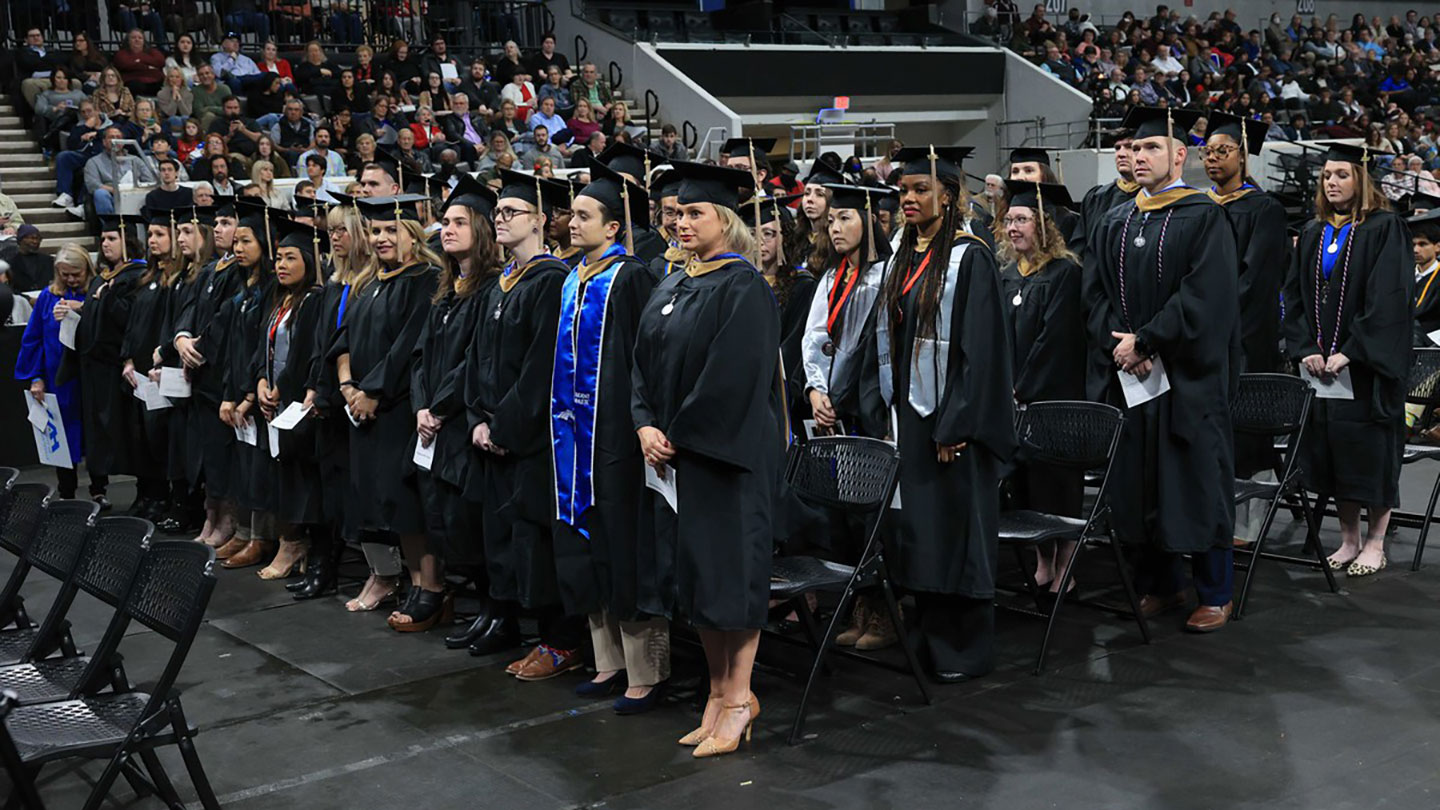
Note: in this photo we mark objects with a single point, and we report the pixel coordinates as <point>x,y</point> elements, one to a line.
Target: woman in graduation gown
<point>708,406</point>
<point>814,224</point>
<point>471,265</point>
<point>507,387</point>
<point>602,514</point>
<point>940,366</point>
<point>200,334</point>
<point>288,349</point>
<point>137,351</point>
<point>375,357</point>
<point>255,485</point>
<point>38,362</point>
<point>1347,312</point>
<point>780,250</point>
<point>1040,293</point>
<point>110,424</point>
<point>836,329</point>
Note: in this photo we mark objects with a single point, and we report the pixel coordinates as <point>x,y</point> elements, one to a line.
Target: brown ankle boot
<point>859,619</point>
<point>230,548</point>
<point>879,632</point>
<point>254,553</point>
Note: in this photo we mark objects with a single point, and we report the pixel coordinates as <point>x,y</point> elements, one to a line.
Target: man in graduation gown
<point>1100,199</point>
<point>634,164</point>
<point>665,190</point>
<point>750,155</point>
<point>1425,246</point>
<point>1160,288</point>
<point>1033,166</point>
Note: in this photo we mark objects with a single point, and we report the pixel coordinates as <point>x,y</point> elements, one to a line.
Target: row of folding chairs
<point>859,475</point>
<point>59,703</point>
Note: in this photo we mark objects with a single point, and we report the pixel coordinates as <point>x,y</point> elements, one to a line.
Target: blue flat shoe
<point>624,705</point>
<point>605,688</point>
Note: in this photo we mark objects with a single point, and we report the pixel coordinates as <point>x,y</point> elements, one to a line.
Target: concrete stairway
<point>30,182</point>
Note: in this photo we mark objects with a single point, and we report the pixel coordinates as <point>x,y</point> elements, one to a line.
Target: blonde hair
<point>1368,198</point>
<point>422,253</point>
<point>255,176</point>
<point>1054,243</point>
<point>345,270</point>
<point>73,256</point>
<point>737,236</point>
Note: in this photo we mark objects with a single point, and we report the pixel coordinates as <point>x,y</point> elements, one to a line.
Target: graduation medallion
<point>1140,241</point>
<point>828,349</point>
<point>1017,300</point>
<point>496,316</point>
<point>669,307</point>
<point>1334,246</point>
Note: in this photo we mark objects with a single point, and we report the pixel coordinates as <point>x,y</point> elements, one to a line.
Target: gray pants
<point>641,648</point>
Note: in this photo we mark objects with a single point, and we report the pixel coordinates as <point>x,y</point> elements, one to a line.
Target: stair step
<point>69,230</point>
<point>10,142</point>
<point>13,185</point>
<point>11,121</point>
<point>7,109</point>
<point>29,200</point>
<point>36,216</point>
<point>29,158</point>
<point>14,174</point>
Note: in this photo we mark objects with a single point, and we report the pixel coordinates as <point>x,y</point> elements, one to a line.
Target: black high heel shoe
<point>425,609</point>
<point>461,639</point>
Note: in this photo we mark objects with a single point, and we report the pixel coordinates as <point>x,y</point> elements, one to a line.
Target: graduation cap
<point>1420,199</point>
<point>665,184</point>
<point>824,173</point>
<point>310,207</point>
<point>432,185</point>
<point>306,237</point>
<point>889,202</point>
<point>623,198</point>
<point>628,159</point>
<point>1029,154</point>
<point>938,161</point>
<point>711,184</point>
<point>1151,122</point>
<point>771,209</point>
<point>746,147</point>
<point>523,187</point>
<point>861,198</point>
<point>1248,132</point>
<point>1430,217</point>
<point>559,194</point>
<point>390,209</point>
<point>472,194</point>
<point>225,206</point>
<point>260,218</point>
<point>1026,193</point>
<point>196,214</point>
<point>388,157</point>
<point>164,217</point>
<point>1351,153</point>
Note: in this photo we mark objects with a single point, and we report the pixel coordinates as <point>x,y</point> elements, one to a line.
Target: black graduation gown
<point>571,256</point>
<point>794,313</point>
<point>181,291</point>
<point>706,376</point>
<point>257,486</point>
<point>507,386</point>
<point>1427,306</point>
<point>206,316</point>
<point>649,244</point>
<point>601,570</point>
<point>1068,223</point>
<point>437,384</point>
<point>332,429</point>
<point>299,495</point>
<point>1046,325</point>
<point>142,334</point>
<point>382,324</point>
<point>944,538</point>
<point>1172,480</point>
<point>1353,449</point>
<point>111,424</point>
<point>1097,202</point>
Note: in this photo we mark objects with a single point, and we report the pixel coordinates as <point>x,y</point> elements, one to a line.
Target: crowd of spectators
<point>1306,78</point>
<point>217,118</point>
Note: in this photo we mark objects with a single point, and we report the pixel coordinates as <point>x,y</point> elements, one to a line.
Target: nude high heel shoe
<point>714,746</point>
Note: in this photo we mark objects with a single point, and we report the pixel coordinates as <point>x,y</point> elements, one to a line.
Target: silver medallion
<point>667,309</point>
<point>1140,241</point>
<point>1017,300</point>
<point>1334,246</point>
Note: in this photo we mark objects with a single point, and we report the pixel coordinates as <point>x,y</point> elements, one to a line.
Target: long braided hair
<point>930,284</point>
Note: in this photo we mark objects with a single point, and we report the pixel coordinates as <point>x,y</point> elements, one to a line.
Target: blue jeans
<point>239,84</point>
<point>1160,573</point>
<point>104,202</point>
<point>149,21</point>
<point>268,120</point>
<point>346,27</point>
<point>253,21</point>
<point>66,165</point>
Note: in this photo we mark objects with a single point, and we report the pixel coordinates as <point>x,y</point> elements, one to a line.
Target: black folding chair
<point>1275,406</point>
<point>1424,391</point>
<point>55,548</point>
<point>107,568</point>
<point>170,595</point>
<point>23,506</point>
<point>1079,436</point>
<point>856,475</point>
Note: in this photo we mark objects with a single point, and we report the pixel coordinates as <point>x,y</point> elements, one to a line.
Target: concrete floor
<point>1314,701</point>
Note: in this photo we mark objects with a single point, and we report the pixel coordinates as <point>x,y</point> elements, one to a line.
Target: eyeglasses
<point>507,214</point>
<point>1017,220</point>
<point>1217,152</point>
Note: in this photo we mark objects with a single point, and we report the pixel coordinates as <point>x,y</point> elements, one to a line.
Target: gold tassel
<point>124,254</point>
<point>1244,151</point>
<point>779,235</point>
<point>1169,143</point>
<point>174,243</point>
<point>871,255</point>
<point>647,171</point>
<point>1040,215</point>
<point>625,202</point>
<point>755,198</point>
<point>935,182</point>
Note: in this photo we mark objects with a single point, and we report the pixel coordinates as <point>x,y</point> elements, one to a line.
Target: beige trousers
<point>641,648</point>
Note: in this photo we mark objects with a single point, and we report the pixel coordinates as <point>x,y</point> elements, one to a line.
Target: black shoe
<point>500,634</point>
<point>142,508</point>
<point>321,577</point>
<point>626,706</point>
<point>103,501</point>
<point>606,688</point>
<point>464,637</point>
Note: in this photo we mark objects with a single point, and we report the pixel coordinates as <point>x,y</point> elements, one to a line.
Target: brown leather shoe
<point>1209,618</point>
<point>549,663</point>
<point>254,553</point>
<point>230,548</point>
<point>1152,606</point>
<point>515,666</point>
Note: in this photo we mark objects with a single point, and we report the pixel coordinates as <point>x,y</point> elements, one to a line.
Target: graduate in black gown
<point>664,186</point>
<point>1032,165</point>
<point>470,265</point>
<point>814,220</point>
<point>199,343</point>
<point>1099,200</point>
<point>1348,312</point>
<point>837,326</point>
<point>708,406</point>
<point>634,164</point>
<point>1160,290</point>
<point>288,349</point>
<point>557,227</point>
<point>137,351</point>
<point>1045,321</point>
<point>1425,249</point>
<point>507,387</point>
<point>374,354</point>
<point>939,380</point>
<point>111,424</point>
<point>794,286</point>
<point>602,517</point>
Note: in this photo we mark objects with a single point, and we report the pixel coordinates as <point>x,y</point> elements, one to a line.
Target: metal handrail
<point>582,50</point>
<point>689,135</point>
<point>617,75</point>
<point>651,96</point>
<point>869,139</point>
<point>714,135</point>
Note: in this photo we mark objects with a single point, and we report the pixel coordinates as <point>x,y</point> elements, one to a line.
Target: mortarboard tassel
<point>779,235</point>
<point>1040,214</point>
<point>871,254</point>
<point>124,254</point>
<point>629,230</point>
<point>1169,141</point>
<point>755,197</point>
<point>934,182</point>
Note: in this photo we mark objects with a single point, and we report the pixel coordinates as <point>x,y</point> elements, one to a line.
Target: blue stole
<point>344,299</point>
<point>1329,237</point>
<point>575,386</point>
